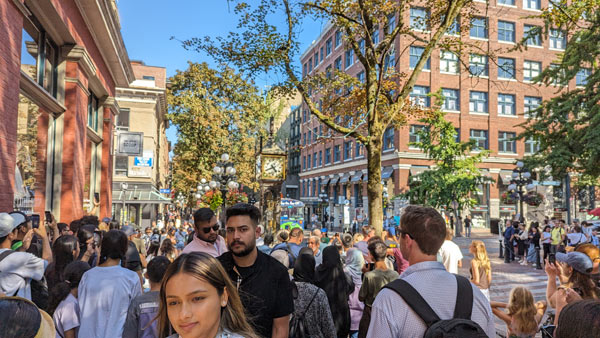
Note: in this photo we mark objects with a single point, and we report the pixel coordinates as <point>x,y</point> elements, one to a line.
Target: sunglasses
<point>215,228</point>
<point>406,233</point>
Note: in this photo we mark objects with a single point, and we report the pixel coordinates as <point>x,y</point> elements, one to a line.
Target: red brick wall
<point>10,62</point>
<point>107,164</point>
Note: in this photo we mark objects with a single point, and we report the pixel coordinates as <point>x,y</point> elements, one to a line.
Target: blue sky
<point>147,27</point>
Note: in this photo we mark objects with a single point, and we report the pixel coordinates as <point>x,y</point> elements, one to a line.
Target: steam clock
<point>272,161</point>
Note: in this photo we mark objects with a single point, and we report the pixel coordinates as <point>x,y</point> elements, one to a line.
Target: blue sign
<point>165,191</point>
<point>553,183</point>
<point>142,162</point>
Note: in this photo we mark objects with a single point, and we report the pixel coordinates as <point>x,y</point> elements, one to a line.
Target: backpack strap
<point>464,298</point>
<point>414,300</point>
<point>309,303</point>
<point>5,254</point>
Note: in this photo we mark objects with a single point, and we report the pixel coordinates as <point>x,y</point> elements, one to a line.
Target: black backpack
<point>297,326</point>
<point>39,289</point>
<point>460,326</point>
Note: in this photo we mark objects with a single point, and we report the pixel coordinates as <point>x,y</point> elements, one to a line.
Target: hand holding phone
<point>35,221</point>
<point>552,258</point>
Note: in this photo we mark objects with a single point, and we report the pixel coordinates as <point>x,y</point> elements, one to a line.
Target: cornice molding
<point>80,55</point>
<point>111,103</point>
<point>39,95</point>
<point>21,7</point>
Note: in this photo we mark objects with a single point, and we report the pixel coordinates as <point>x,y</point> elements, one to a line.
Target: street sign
<point>142,161</point>
<point>552,183</point>
<point>165,191</point>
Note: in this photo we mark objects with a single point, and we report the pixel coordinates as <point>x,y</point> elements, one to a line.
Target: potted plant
<point>507,198</point>
<point>534,199</point>
<point>213,199</point>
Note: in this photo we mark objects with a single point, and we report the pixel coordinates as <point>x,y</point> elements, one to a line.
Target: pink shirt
<point>215,249</point>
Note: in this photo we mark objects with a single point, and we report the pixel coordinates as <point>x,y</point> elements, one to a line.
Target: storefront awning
<point>345,178</point>
<point>334,180</point>
<point>324,181</point>
<point>139,197</point>
<point>506,176</point>
<point>387,173</point>
<point>356,178</point>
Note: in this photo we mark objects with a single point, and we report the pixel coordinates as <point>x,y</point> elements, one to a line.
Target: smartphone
<point>97,197</point>
<point>97,238</point>
<point>48,217</point>
<point>35,221</point>
<point>552,258</point>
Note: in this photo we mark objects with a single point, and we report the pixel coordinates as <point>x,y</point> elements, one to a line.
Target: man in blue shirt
<point>509,251</point>
<point>292,246</point>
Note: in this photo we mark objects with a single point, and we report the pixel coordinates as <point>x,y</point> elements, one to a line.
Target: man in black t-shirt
<point>133,260</point>
<point>263,283</point>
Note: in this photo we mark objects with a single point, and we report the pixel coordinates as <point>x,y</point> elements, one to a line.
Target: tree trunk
<point>374,188</point>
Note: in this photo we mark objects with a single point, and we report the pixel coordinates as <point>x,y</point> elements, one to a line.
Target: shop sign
<point>130,143</point>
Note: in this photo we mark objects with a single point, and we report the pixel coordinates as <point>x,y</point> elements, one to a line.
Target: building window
<point>304,70</point>
<point>451,99</point>
<point>531,69</point>
<point>123,119</point>
<point>315,134</point>
<point>479,28</point>
<point>448,62</point>
<point>121,165</point>
<point>322,55</point>
<point>419,96</point>
<point>310,68</point>
<point>582,76</point>
<point>418,18</point>
<point>309,137</point>
<point>92,120</point>
<point>336,153</point>
<point>454,29</point>
<point>506,142</point>
<point>391,24</point>
<point>533,34</point>
<point>506,104</point>
<point>361,76</point>
<point>532,4</point>
<point>148,77</point>
<point>390,59</point>
<point>308,161</point>
<point>531,103</point>
<point>320,158</point>
<point>506,68</point>
<point>413,134</point>
<point>314,162</point>
<point>328,47</point>
<point>349,58</point>
<point>303,162</point>
<point>481,139</point>
<point>506,2</point>
<point>478,102</point>
<point>532,146</point>
<point>358,150</point>
<point>39,57</point>
<point>506,31</point>
<point>457,135</point>
<point>327,155</point>
<point>558,40</point>
<point>415,56</point>
<point>316,57</point>
<point>361,46</point>
<point>388,139</point>
<point>376,35</point>
<point>478,65</point>
<point>337,64</point>
<point>338,38</point>
<point>347,150</point>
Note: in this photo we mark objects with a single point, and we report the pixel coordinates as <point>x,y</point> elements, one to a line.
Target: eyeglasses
<point>215,228</point>
<point>406,233</point>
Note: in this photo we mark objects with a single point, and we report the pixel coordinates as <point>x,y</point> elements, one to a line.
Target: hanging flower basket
<point>212,199</point>
<point>506,198</point>
<point>534,199</point>
<point>236,196</point>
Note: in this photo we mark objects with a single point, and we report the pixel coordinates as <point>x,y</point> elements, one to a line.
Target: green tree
<point>567,126</point>
<point>214,111</point>
<point>454,176</point>
<point>370,29</point>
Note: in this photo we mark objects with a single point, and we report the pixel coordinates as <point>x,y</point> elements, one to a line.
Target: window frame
<point>483,136</point>
<point>455,99</point>
<point>528,70</point>
<point>507,142</point>
<point>476,28</point>
<point>502,32</point>
<point>473,102</point>
<point>503,104</point>
<point>502,71</point>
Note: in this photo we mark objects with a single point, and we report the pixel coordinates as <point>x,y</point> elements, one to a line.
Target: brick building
<point>486,107</point>
<point>61,62</point>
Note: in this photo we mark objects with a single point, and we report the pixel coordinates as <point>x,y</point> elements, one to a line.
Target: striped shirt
<point>391,317</point>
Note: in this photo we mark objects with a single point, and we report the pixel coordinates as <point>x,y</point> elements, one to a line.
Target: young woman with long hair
<point>198,300</point>
<point>65,249</point>
<point>168,250</point>
<point>481,268</point>
<point>63,306</point>
<point>523,316</point>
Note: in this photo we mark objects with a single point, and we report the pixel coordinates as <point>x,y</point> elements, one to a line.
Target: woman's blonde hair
<point>522,308</point>
<point>358,237</point>
<point>481,256</point>
<point>207,268</point>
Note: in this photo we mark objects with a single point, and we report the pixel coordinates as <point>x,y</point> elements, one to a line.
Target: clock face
<point>273,167</point>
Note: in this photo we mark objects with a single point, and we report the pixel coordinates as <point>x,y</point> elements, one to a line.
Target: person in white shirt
<point>422,232</point>
<point>106,291</point>
<point>450,254</point>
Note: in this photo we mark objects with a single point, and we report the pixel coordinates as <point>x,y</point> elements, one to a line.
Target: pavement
<point>504,276</point>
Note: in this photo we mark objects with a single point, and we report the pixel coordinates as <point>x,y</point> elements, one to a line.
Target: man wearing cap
<point>206,239</point>
<point>133,259</point>
<point>18,268</point>
<point>578,263</point>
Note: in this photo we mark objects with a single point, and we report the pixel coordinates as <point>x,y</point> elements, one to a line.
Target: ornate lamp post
<point>224,177</point>
<point>521,177</point>
<point>202,188</point>
<point>124,187</point>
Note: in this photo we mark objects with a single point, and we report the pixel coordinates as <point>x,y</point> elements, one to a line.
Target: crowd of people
<point>200,278</point>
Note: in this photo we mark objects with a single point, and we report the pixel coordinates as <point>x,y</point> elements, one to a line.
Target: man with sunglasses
<point>206,239</point>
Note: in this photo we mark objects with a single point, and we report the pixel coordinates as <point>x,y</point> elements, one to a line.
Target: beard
<point>245,249</point>
<point>212,238</point>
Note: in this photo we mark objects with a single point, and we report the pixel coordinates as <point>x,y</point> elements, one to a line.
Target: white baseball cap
<point>7,224</point>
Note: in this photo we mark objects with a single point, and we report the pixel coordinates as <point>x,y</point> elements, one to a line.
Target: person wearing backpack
<point>312,316</point>
<point>22,272</point>
<point>423,301</point>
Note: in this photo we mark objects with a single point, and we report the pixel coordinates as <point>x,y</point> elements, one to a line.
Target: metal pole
<point>568,197</point>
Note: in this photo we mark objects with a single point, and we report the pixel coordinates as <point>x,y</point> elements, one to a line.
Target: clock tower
<point>272,162</point>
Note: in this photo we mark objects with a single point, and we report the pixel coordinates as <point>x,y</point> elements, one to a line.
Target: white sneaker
<point>524,263</point>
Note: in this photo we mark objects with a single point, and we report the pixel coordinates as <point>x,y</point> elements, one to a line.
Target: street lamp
<point>521,177</point>
<point>385,198</point>
<point>124,187</point>
<point>202,188</point>
<point>224,177</point>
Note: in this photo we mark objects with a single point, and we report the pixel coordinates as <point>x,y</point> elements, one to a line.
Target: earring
<point>224,304</point>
